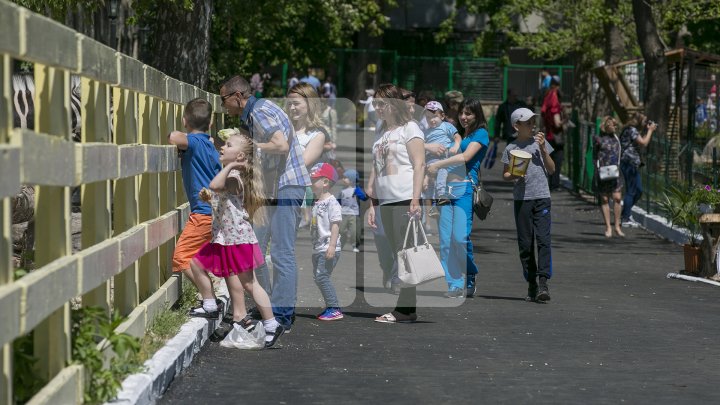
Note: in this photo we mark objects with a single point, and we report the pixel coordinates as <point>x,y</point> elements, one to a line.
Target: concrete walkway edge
<point>147,386</point>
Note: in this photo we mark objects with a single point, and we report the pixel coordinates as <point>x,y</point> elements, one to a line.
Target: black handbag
<point>482,201</point>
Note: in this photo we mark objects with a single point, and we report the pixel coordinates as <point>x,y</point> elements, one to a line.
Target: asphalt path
<point>615,331</point>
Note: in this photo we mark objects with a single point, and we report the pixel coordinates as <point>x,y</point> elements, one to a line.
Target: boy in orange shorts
<point>200,163</point>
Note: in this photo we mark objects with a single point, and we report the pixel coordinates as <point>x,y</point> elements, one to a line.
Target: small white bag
<point>418,264</point>
<point>610,172</point>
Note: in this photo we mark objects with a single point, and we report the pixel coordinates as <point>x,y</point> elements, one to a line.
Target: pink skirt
<point>224,261</point>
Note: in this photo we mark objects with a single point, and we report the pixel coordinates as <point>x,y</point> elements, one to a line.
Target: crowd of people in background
<point>427,158</point>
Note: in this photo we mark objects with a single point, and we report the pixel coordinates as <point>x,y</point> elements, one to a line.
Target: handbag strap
<point>407,233</point>
<point>422,229</point>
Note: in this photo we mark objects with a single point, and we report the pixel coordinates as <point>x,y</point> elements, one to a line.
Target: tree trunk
<point>180,41</point>
<point>657,88</point>
<point>614,41</point>
<point>613,53</point>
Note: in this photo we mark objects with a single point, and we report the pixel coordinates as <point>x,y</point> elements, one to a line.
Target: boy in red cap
<point>325,234</point>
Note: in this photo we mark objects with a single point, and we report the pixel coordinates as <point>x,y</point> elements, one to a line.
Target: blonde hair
<point>312,99</point>
<point>252,180</point>
<point>605,122</point>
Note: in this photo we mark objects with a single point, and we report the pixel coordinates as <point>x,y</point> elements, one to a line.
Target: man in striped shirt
<point>285,177</point>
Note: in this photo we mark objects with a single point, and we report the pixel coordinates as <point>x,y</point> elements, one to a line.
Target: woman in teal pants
<point>456,250</point>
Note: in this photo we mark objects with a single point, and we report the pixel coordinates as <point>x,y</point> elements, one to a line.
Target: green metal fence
<point>485,78</point>
<point>690,163</point>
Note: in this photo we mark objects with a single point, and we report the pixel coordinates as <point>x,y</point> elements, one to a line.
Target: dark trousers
<point>557,157</point>
<point>532,219</point>
<point>633,188</point>
<point>395,220</point>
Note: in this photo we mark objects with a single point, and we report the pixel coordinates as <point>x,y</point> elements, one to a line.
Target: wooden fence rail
<point>132,201</point>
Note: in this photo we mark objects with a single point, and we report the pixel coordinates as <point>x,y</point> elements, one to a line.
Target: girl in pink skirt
<point>236,197</point>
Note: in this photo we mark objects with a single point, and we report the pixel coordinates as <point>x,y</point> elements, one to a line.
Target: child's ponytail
<point>253,185</point>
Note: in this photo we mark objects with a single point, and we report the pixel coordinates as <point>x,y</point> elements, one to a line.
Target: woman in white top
<point>304,108</point>
<point>396,181</point>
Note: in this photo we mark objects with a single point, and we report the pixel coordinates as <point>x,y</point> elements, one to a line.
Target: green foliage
<point>575,27</point>
<point>58,9</point>
<point>167,323</point>
<point>26,382</point>
<point>247,35</point>
<point>683,210</point>
<point>91,325</point>
<point>684,207</point>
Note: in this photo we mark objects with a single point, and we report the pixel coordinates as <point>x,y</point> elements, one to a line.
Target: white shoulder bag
<point>610,172</point>
<point>418,264</point>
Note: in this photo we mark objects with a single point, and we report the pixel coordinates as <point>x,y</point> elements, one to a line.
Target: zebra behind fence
<point>24,103</point>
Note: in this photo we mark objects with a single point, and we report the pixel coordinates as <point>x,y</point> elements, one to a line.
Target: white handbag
<point>610,172</point>
<point>418,264</point>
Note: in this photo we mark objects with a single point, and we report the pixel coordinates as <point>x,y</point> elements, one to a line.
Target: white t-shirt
<point>324,214</point>
<point>393,168</point>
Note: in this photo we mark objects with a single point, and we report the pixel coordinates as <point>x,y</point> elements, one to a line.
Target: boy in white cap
<point>441,140</point>
<point>532,203</point>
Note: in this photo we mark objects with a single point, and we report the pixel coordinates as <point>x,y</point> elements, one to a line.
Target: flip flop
<point>396,317</point>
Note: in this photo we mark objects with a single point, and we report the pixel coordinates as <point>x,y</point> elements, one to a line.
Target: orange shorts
<point>197,232</point>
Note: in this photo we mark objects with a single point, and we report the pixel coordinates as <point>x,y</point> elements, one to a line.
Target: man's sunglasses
<point>224,98</point>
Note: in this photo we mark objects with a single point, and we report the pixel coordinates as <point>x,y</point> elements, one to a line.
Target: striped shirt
<point>263,118</point>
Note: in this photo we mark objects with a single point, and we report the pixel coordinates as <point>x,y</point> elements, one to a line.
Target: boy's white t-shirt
<point>324,214</point>
<point>393,169</point>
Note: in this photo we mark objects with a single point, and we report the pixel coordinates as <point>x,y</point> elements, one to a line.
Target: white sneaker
<point>356,250</point>
<point>630,224</point>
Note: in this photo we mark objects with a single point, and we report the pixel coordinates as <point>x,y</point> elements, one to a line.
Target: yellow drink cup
<point>519,161</point>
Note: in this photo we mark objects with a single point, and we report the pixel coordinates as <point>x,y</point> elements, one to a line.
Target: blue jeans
<point>633,188</point>
<point>456,249</point>
<point>322,270</point>
<point>281,230</point>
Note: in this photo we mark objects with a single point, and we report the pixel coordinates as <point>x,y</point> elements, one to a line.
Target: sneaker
<point>629,223</point>
<point>531,292</point>
<point>330,314</point>
<point>470,286</point>
<point>543,293</point>
<point>356,250</point>
<point>275,336</point>
<point>455,293</point>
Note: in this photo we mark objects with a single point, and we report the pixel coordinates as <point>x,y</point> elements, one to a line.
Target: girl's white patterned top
<point>231,225</point>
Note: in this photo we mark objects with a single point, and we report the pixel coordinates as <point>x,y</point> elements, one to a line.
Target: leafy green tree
<point>587,31</point>
<point>248,36</point>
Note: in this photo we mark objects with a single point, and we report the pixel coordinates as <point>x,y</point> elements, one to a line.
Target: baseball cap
<point>324,170</point>
<point>351,174</point>
<point>521,114</point>
<point>434,106</point>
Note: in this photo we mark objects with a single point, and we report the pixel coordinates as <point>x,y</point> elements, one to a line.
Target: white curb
<point>146,387</point>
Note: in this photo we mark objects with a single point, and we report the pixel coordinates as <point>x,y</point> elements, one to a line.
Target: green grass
<point>167,323</point>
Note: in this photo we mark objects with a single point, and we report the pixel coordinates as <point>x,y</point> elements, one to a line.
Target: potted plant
<point>683,209</point>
